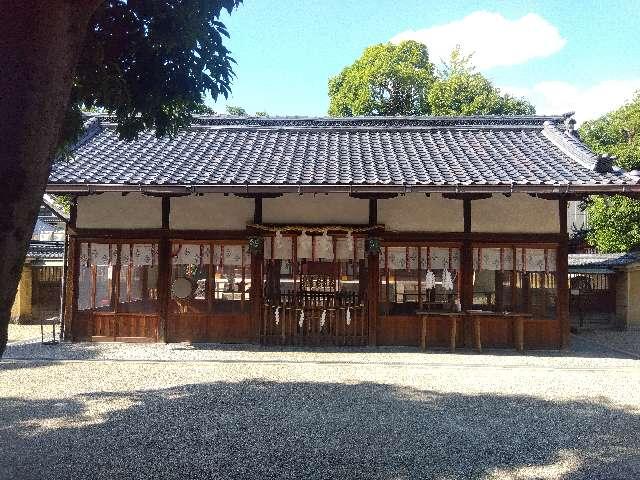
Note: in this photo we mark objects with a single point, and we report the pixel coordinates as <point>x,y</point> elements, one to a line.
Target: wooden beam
<point>467,196</point>
<point>373,211</point>
<point>258,195</point>
<point>374,195</point>
<point>562,277</point>
<point>162,195</point>
<point>571,197</point>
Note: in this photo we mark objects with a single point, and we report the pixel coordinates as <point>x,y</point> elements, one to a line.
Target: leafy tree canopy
<point>617,133</point>
<point>387,79</point>
<point>614,222</point>
<point>460,90</point>
<point>150,63</point>
<point>237,111</point>
<point>399,79</point>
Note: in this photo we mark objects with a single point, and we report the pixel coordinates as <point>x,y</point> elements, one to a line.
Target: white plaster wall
<point>520,213</point>
<point>416,212</point>
<point>112,210</point>
<point>332,208</point>
<point>211,211</point>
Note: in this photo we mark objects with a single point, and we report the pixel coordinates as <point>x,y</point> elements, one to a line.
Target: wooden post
<point>373,211</point>
<point>257,295</point>
<point>518,323</point>
<point>466,268</point>
<point>164,272</point>
<point>257,210</point>
<point>71,286</point>
<point>562,277</point>
<point>453,332</point>
<point>476,334</point>
<point>373,270</point>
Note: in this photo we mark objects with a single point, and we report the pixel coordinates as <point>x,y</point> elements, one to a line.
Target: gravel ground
<point>180,411</point>
<point>627,341</point>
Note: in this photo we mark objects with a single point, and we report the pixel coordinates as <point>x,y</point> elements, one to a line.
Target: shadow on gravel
<point>266,430</point>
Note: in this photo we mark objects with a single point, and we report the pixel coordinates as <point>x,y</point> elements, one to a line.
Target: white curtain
<point>304,246</point>
<point>145,254</point>
<point>282,247</point>
<point>191,254</point>
<point>345,248</point>
<point>440,258</point>
<point>324,247</point>
<point>534,259</point>
<point>100,254</point>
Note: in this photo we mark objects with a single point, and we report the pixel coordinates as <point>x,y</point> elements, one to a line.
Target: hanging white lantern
<point>301,321</point>
<point>323,318</point>
<point>348,316</point>
<point>277,316</point>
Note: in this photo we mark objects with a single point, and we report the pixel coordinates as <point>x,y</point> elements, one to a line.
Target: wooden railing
<point>308,324</point>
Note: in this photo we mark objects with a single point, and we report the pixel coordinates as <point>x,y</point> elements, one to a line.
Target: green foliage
<point>150,63</point>
<point>386,80</point>
<point>400,80</point>
<point>614,222</point>
<point>617,133</point>
<point>237,111</point>
<point>261,114</point>
<point>460,90</point>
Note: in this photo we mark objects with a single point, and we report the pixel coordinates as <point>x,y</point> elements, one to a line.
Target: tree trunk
<point>39,49</point>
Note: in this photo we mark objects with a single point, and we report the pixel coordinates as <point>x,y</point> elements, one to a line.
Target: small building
<point>605,290</point>
<point>39,290</point>
<point>426,231</point>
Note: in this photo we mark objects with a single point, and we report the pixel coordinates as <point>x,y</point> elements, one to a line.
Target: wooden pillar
<point>373,211</point>
<point>164,272</point>
<point>466,263</point>
<point>257,210</point>
<point>257,295</point>
<point>373,284</point>
<point>562,276</point>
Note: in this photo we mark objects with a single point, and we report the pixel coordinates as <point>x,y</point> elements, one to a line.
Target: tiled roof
<point>579,261</point>
<point>492,153</point>
<point>41,250</point>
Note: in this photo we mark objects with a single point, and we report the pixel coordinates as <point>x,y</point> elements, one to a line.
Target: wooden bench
<point>451,317</point>
<point>517,320</point>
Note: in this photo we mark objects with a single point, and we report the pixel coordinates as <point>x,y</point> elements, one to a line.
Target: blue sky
<point>562,55</point>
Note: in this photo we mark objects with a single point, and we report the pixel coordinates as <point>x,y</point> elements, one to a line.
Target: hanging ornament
<point>348,316</point>
<point>430,280</point>
<point>447,280</point>
<point>277,316</point>
<point>301,321</point>
<point>323,318</point>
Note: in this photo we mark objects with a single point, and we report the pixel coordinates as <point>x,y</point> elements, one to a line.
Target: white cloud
<point>588,102</point>
<point>493,39</point>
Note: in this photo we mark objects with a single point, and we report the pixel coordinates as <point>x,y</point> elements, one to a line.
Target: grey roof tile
<point>501,150</point>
